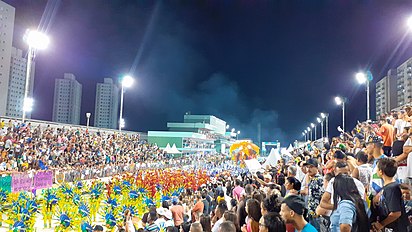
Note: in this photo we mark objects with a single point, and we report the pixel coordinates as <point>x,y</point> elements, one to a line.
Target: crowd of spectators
<point>24,147</point>
<point>359,181</point>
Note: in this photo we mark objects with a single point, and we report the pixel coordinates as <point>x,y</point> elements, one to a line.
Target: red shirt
<point>386,131</point>
<point>177,214</point>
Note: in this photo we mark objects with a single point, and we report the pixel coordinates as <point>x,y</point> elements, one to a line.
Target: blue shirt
<point>345,213</point>
<point>308,228</point>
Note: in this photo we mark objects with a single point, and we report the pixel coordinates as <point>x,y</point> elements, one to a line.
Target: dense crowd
<point>360,181</point>
<point>24,147</point>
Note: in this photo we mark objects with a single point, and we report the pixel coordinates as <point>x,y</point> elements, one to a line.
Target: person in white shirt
<point>341,168</point>
<point>218,218</point>
<point>400,123</point>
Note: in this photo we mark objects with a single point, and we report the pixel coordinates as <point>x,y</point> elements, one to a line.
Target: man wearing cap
<point>314,190</point>
<point>165,218</point>
<point>291,211</point>
<point>374,148</point>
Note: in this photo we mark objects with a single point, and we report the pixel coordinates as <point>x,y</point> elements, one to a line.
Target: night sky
<point>278,63</point>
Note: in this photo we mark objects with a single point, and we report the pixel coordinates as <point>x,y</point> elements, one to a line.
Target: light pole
<point>363,78</point>
<point>88,120</point>
<point>313,126</point>
<point>126,82</point>
<point>310,134</point>
<point>35,40</point>
<point>320,121</point>
<point>409,23</point>
<point>341,101</point>
<point>237,135</point>
<point>304,135</point>
<point>326,117</point>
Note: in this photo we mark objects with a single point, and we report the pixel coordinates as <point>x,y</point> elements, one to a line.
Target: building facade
<point>196,134</point>
<point>7,13</point>
<point>67,100</point>
<point>404,83</point>
<point>17,84</point>
<point>106,114</point>
<point>386,93</point>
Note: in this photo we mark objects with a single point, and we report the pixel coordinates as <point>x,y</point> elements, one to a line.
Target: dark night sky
<point>279,63</point>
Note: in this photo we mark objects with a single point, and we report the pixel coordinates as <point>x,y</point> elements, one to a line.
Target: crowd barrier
<point>34,180</point>
<point>16,182</point>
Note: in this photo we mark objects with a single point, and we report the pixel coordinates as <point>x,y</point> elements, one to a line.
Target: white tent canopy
<point>273,158</point>
<point>174,150</point>
<point>290,148</point>
<point>167,149</point>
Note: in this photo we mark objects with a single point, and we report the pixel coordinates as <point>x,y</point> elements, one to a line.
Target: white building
<point>17,82</point>
<point>386,93</point>
<point>6,37</point>
<point>404,83</point>
<point>106,113</point>
<point>67,100</point>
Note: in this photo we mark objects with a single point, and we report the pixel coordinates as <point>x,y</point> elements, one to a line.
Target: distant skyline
<point>278,63</point>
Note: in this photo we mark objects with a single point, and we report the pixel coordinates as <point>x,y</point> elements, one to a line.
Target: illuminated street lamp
<point>126,82</point>
<point>341,101</point>
<point>306,135</point>
<point>326,117</point>
<point>88,120</point>
<point>363,78</point>
<point>28,104</point>
<point>409,23</point>
<point>310,133</point>
<point>237,134</point>
<point>320,121</point>
<point>314,126</point>
<point>35,40</point>
<point>227,126</point>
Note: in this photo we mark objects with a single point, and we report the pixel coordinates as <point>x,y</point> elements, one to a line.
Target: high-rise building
<point>386,93</point>
<point>404,83</point>
<point>106,113</point>
<point>67,100</point>
<point>6,37</point>
<point>17,84</point>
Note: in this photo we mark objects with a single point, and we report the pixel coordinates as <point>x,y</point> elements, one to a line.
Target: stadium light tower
<point>341,101</point>
<point>320,121</point>
<point>363,78</point>
<point>409,23</point>
<point>36,41</point>
<point>314,126</point>
<point>326,117</point>
<point>126,82</point>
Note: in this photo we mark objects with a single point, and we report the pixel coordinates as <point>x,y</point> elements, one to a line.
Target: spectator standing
<point>197,209</point>
<point>271,222</point>
<point>349,209</point>
<point>363,172</point>
<point>177,212</point>
<point>237,191</point>
<point>314,190</point>
<point>387,132</point>
<point>253,216</point>
<point>218,218</point>
<point>292,210</point>
<point>392,214</point>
